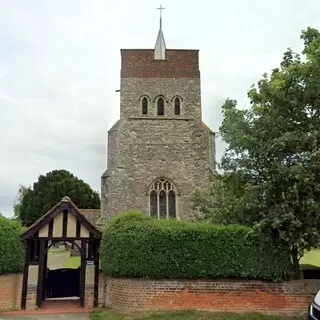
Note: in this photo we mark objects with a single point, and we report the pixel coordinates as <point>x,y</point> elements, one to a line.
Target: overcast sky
<point>60,67</point>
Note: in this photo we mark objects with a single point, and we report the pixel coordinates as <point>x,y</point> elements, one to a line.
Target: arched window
<point>160,107</point>
<point>177,106</point>
<point>162,199</point>
<point>144,105</point>
<point>153,203</point>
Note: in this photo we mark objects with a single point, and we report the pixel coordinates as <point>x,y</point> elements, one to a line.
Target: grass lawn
<point>57,251</point>
<point>185,315</point>
<point>311,258</point>
<point>72,262</point>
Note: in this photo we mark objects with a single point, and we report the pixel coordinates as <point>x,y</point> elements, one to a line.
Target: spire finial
<point>161,8</point>
<point>160,47</point>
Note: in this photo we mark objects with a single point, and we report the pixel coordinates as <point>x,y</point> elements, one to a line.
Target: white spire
<point>160,47</point>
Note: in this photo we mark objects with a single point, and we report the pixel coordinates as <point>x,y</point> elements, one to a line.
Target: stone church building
<point>159,151</point>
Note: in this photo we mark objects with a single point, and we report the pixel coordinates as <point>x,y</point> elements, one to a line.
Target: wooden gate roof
<point>63,221</point>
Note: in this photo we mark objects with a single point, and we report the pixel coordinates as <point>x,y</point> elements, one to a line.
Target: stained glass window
<point>162,199</point>
<point>153,203</point>
<point>163,204</point>
<point>172,204</point>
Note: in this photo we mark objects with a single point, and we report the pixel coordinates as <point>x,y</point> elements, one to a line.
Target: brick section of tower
<point>140,63</point>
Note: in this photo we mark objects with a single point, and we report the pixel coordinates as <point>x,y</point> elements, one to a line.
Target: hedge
<point>11,248</point>
<point>135,245</point>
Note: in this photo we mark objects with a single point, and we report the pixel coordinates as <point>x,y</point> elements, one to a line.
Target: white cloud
<point>60,66</point>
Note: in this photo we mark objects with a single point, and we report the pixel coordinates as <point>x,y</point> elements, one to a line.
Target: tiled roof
<point>91,215</point>
<point>88,221</point>
<point>89,211</point>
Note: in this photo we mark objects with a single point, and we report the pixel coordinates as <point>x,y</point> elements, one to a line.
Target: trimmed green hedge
<point>11,248</point>
<point>135,245</point>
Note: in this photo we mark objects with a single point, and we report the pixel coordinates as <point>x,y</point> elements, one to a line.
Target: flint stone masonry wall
<point>142,148</point>
<point>289,298</point>
<point>134,89</point>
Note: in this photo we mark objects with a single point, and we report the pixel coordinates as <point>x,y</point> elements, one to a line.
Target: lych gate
<point>63,223</point>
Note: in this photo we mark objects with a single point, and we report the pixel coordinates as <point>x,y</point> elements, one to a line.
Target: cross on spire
<point>160,47</point>
<point>161,8</point>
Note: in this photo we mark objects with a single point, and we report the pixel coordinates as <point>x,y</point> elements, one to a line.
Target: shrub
<point>11,247</point>
<point>135,245</point>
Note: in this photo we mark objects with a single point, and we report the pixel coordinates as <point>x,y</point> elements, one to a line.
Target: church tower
<point>159,151</point>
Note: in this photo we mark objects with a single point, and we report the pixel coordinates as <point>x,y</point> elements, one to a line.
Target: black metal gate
<point>63,283</point>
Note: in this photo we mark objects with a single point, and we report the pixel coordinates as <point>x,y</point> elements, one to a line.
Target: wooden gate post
<point>41,272</point>
<point>96,273</point>
<point>25,275</point>
<point>83,272</point>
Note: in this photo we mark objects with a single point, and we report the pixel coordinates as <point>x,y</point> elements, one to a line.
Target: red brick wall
<point>89,293</point>
<point>88,296</point>
<point>231,296</point>
<point>10,291</point>
<point>136,63</point>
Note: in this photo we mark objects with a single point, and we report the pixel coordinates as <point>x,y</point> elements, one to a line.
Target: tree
<point>226,201</point>
<point>271,167</point>
<point>34,202</point>
<point>23,190</point>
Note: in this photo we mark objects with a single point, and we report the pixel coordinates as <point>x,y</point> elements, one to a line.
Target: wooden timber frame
<point>63,223</point>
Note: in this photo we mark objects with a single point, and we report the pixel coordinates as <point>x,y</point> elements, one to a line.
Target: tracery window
<point>144,105</point>
<point>162,199</point>
<point>177,108</point>
<point>160,107</point>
